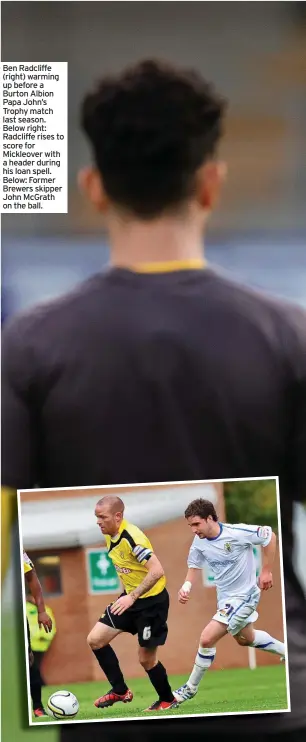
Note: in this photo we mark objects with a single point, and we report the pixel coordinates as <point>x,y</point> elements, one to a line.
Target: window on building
<point>48,568</point>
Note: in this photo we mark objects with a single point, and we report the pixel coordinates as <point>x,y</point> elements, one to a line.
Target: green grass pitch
<point>221,691</point>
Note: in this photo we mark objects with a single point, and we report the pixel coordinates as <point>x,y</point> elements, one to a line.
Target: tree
<point>252,502</point>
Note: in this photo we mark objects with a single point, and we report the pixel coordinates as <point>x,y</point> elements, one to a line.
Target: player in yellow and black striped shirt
<point>142,608</point>
<point>43,620</point>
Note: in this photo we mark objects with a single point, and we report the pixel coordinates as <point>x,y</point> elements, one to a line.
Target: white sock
<point>203,661</point>
<point>264,641</point>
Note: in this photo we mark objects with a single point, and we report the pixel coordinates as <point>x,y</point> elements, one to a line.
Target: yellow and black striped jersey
<point>27,564</point>
<point>130,551</point>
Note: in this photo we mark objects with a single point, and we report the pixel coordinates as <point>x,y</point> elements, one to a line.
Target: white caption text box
<point>34,137</point>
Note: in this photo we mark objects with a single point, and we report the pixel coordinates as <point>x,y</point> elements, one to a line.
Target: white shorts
<point>237,613</point>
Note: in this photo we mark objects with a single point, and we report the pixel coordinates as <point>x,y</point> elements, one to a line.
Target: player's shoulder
<point>55,315</point>
<point>136,534</point>
<point>260,308</point>
<point>236,530</point>
<point>198,543</point>
<point>27,562</point>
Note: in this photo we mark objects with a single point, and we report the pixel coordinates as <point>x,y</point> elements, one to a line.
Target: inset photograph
<point>153,600</point>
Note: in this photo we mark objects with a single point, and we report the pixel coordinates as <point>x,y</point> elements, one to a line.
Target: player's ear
<point>210,179</point>
<point>90,183</point>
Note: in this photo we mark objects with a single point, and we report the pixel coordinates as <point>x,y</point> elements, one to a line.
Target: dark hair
<point>150,129</point>
<point>202,508</point>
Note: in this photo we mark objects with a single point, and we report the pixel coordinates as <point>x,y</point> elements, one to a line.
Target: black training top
<point>163,377</point>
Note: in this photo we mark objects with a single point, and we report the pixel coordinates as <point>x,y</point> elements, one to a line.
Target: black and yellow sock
<point>159,679</point>
<point>108,662</point>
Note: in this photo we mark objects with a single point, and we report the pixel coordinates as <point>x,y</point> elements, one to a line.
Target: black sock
<point>35,687</point>
<point>108,662</point>
<point>159,680</point>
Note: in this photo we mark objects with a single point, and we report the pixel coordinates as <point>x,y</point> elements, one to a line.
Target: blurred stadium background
<point>255,54</point>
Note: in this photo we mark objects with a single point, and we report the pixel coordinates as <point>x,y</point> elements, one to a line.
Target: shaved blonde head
<point>113,502</point>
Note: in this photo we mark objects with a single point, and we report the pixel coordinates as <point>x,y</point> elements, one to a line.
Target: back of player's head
<point>151,128</point>
<point>202,509</point>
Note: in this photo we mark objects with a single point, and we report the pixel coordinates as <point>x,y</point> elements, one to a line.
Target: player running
<point>228,550</point>
<point>43,620</point>
<point>141,609</point>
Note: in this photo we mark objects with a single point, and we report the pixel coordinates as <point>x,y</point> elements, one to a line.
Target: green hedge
<point>251,502</point>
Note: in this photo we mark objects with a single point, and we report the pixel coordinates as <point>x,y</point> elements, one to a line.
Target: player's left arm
<point>265,580</point>
<point>259,536</point>
<point>155,572</point>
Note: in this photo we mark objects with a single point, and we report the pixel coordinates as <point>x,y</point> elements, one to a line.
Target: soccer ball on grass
<point>63,705</point>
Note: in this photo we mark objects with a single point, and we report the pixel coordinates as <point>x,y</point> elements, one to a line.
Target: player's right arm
<point>36,590</point>
<point>190,579</point>
<point>195,564</point>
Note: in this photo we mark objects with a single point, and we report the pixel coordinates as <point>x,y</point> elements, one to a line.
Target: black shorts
<point>147,617</point>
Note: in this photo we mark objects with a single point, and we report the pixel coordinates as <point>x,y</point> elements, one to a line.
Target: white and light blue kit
<point>231,559</point>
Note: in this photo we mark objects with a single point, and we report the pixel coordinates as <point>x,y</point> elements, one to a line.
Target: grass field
<point>223,691</point>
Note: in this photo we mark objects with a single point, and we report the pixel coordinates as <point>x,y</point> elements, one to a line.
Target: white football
<point>63,705</point>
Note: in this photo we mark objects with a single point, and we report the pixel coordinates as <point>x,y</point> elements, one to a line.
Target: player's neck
<point>135,244</point>
<point>215,530</point>
<point>115,535</point>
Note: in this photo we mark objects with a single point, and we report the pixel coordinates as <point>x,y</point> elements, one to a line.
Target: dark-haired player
<point>228,551</point>
<point>159,368</point>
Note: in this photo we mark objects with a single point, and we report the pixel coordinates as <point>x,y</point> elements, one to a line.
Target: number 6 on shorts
<point>146,632</point>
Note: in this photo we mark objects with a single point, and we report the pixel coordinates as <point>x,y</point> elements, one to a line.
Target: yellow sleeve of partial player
<point>8,515</point>
<point>27,564</point>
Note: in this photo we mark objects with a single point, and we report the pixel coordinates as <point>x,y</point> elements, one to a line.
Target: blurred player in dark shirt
<point>160,369</point>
